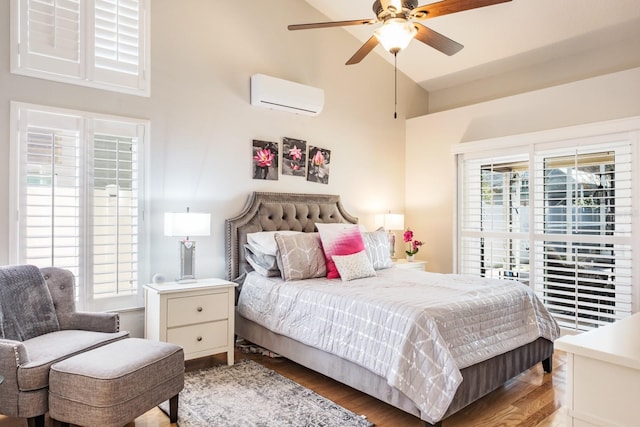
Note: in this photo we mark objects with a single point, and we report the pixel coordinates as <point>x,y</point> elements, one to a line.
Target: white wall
<point>430,163</point>
<point>202,124</point>
<point>588,60</point>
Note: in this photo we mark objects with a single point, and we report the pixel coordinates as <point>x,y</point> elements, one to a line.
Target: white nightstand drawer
<point>413,265</point>
<point>201,337</point>
<point>197,309</point>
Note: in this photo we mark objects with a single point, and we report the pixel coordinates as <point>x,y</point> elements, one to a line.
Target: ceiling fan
<point>399,26</point>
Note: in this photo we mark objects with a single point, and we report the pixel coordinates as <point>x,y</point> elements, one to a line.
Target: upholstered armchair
<point>39,326</point>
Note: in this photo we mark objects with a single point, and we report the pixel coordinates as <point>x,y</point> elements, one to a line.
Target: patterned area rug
<point>248,394</point>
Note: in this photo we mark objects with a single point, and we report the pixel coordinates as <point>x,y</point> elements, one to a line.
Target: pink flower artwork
<point>294,157</point>
<point>319,159</point>
<point>265,160</point>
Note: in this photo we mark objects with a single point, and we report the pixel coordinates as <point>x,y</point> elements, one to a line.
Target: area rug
<point>248,394</point>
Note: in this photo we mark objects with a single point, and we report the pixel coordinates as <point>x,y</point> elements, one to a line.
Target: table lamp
<point>390,223</point>
<point>187,224</point>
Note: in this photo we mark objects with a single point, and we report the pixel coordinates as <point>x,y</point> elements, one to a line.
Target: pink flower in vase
<point>414,245</point>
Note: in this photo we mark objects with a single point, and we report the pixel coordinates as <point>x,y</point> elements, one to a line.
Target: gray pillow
<point>300,256</point>
<point>26,307</point>
<point>262,263</point>
<point>376,243</point>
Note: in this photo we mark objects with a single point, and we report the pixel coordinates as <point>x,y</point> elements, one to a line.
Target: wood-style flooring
<point>532,399</point>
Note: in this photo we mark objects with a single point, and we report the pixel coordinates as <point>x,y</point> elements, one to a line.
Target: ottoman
<point>114,384</point>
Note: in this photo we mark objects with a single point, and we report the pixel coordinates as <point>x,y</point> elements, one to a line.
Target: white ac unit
<point>279,94</point>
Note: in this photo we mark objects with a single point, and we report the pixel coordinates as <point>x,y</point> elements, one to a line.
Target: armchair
<point>39,326</point>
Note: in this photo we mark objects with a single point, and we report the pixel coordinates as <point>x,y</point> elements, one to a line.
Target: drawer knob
<point>199,309</point>
<point>199,339</point>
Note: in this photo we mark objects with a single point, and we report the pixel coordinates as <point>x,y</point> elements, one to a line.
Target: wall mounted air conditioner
<point>279,94</point>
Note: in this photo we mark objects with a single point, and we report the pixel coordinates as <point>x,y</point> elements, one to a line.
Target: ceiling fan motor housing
<point>384,9</point>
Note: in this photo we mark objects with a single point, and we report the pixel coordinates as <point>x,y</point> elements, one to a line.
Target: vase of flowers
<point>414,245</point>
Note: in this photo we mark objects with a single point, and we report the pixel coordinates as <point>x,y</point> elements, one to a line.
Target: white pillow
<point>264,242</point>
<point>354,266</point>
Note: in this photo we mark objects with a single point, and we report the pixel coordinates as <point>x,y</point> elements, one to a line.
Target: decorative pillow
<point>26,307</point>
<point>300,256</point>
<point>265,265</point>
<point>263,242</point>
<point>354,266</point>
<point>339,239</point>
<point>376,243</point>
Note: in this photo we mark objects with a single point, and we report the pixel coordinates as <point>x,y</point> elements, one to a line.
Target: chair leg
<point>173,409</point>
<point>37,421</point>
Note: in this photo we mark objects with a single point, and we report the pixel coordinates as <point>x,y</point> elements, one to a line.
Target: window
<point>78,200</point>
<point>97,43</point>
<point>495,242</point>
<point>557,216</point>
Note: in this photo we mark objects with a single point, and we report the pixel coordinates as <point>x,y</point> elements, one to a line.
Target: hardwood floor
<point>529,400</point>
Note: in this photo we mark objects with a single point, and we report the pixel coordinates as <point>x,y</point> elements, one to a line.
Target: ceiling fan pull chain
<point>395,68</point>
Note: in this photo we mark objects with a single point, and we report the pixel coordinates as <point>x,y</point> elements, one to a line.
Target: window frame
<point>87,74</point>
<point>84,292</point>
<point>531,145</point>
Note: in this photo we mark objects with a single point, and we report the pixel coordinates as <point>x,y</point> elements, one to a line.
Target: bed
<point>301,212</point>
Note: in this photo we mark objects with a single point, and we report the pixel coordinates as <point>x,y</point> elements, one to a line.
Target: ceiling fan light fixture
<point>395,34</point>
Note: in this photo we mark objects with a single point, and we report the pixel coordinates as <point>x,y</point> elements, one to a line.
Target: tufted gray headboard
<point>273,212</point>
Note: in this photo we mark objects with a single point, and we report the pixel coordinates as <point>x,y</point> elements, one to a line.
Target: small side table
<point>413,265</point>
<point>197,316</point>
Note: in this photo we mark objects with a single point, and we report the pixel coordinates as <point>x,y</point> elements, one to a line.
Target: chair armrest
<point>87,321</point>
<point>12,355</point>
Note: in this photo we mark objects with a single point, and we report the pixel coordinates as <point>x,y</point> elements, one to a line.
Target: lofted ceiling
<point>500,38</point>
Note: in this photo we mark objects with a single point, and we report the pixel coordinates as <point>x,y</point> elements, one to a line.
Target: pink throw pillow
<point>339,239</point>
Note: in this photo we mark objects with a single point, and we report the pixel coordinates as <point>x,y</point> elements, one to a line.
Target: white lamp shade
<point>394,222</point>
<point>187,224</point>
<point>390,221</point>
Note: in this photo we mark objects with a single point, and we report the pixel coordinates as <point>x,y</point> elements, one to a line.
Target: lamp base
<point>187,262</point>
<point>392,244</point>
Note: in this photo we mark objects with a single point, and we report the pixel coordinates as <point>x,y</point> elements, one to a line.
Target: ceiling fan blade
<point>331,24</point>
<point>436,40</point>
<point>446,7</point>
<point>363,51</point>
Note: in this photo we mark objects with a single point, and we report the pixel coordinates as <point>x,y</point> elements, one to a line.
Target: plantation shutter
<point>118,38</point>
<point>51,186</point>
<point>78,201</point>
<point>97,43</point>
<point>51,36</point>
<point>583,219</point>
<point>556,215</point>
<point>114,209</point>
<point>494,209</point>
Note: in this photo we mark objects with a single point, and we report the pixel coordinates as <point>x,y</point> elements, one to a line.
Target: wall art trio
<point>296,160</point>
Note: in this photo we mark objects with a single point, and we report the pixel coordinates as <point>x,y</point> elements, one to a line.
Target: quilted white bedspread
<point>415,329</point>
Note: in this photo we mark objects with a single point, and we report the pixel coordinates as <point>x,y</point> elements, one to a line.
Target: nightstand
<point>198,316</point>
<point>413,265</point>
